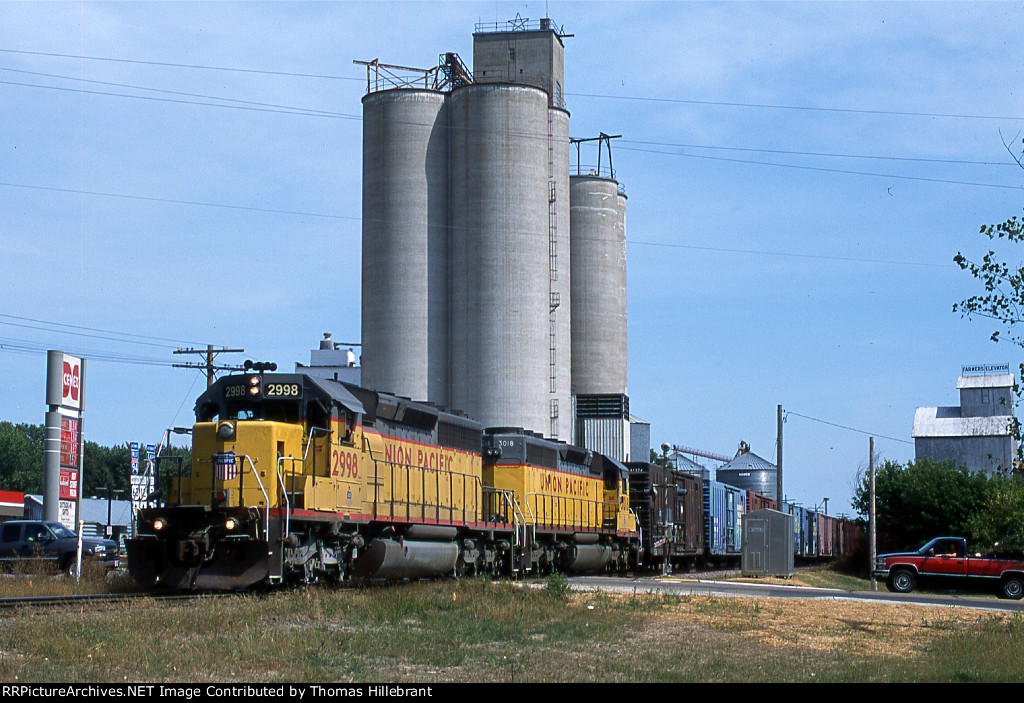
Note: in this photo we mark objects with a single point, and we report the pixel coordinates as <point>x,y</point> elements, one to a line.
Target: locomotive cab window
<point>348,432</point>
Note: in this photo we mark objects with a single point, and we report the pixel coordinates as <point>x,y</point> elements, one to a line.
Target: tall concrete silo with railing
<point>598,264</point>
<point>405,243</point>
<point>501,349</point>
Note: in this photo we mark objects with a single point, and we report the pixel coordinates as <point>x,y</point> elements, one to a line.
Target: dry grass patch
<point>478,631</point>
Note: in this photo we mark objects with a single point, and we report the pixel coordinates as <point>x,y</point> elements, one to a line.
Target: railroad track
<point>9,604</point>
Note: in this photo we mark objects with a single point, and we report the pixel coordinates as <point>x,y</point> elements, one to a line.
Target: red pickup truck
<point>947,559</point>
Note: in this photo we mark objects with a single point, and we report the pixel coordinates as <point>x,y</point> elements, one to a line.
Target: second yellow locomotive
<point>299,478</point>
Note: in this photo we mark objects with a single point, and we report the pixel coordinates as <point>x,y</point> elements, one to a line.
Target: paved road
<point>694,586</point>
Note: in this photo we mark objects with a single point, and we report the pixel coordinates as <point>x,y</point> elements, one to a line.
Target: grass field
<point>475,630</point>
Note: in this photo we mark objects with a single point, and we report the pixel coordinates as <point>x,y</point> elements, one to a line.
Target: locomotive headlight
<point>230,523</point>
<point>159,524</point>
<point>226,431</point>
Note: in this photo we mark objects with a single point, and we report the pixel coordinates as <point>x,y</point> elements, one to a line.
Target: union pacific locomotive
<point>297,478</point>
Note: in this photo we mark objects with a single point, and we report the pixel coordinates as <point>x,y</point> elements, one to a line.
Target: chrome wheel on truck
<point>1013,587</point>
<point>902,581</point>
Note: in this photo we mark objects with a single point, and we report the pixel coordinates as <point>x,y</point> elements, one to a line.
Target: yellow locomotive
<point>299,478</point>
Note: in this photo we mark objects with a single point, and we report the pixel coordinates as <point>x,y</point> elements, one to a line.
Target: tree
<point>21,462</point>
<point>1003,300</point>
<point>921,500</point>
<point>926,498</point>
<point>1001,520</point>
<point>21,457</point>
<point>659,459</point>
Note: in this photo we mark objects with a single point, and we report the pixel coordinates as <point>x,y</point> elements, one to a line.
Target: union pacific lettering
<point>566,485</point>
<point>427,459</point>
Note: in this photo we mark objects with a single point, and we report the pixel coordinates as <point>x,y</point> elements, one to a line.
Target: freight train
<point>300,479</point>
<point>689,520</point>
<point>297,478</point>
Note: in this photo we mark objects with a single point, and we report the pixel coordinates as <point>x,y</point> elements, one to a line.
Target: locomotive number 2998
<point>282,390</point>
<point>346,465</point>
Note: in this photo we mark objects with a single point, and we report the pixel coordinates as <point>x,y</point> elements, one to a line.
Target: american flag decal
<point>225,466</point>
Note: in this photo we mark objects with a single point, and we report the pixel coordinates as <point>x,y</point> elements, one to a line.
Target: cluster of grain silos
<point>490,283</point>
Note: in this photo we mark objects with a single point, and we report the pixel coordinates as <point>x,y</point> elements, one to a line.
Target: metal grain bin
<point>749,471</point>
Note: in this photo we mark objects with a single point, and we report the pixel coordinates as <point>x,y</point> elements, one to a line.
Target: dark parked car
<point>22,540</point>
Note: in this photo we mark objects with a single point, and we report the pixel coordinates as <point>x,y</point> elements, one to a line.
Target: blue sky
<point>800,176</point>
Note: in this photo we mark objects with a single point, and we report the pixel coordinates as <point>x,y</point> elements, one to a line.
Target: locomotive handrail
<point>640,536</point>
<point>518,518</point>
<point>305,452</point>
<point>284,492</point>
<point>559,501</point>
<point>266,529</point>
<point>526,526</point>
<point>423,505</point>
<point>281,481</point>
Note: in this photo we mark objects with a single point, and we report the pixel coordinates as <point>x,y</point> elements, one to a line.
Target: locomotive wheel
<point>1013,587</point>
<point>902,581</point>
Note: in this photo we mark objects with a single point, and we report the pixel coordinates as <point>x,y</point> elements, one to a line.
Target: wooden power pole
<point>210,367</point>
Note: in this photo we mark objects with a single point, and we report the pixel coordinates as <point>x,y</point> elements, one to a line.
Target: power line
<point>788,152</point>
<point>633,242</point>
<point>77,328</point>
<point>823,169</point>
<point>254,108</point>
<point>18,346</point>
<point>759,252</point>
<point>288,108</point>
<point>315,113</point>
<point>204,67</point>
<point>174,201</point>
<point>713,103</point>
<point>844,427</point>
<point>769,106</point>
<point>235,103</point>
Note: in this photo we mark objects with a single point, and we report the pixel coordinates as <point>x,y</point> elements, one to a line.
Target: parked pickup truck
<point>22,540</point>
<point>947,559</point>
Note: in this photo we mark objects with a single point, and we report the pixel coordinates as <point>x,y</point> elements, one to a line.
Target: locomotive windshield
<point>277,411</point>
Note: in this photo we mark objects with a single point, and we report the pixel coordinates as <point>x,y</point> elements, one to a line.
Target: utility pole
<point>210,367</point>
<point>872,544</point>
<point>778,465</point>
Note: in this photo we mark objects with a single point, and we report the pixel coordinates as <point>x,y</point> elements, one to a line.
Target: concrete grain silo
<point>499,254</point>
<point>468,297</point>
<point>405,243</point>
<point>598,263</point>
<point>559,276</point>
